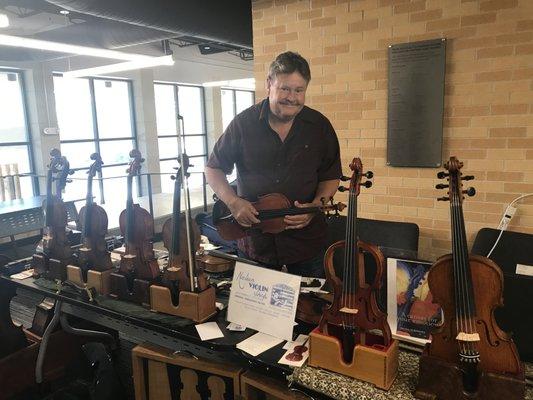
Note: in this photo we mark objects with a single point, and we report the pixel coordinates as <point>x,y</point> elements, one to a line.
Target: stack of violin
<point>184,289</point>
<point>469,356</point>
<point>94,260</point>
<point>346,340</point>
<point>54,252</point>
<point>138,266</point>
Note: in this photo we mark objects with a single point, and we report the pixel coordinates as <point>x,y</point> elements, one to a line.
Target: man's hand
<point>302,220</point>
<point>243,211</point>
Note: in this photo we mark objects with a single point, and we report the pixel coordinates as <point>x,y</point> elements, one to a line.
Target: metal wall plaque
<point>416,103</point>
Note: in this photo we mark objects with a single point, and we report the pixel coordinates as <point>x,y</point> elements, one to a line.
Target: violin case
<point>515,316</point>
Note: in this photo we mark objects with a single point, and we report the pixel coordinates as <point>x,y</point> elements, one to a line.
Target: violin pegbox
<point>135,164</point>
<point>455,178</point>
<point>96,166</point>
<point>355,180</point>
<point>186,165</point>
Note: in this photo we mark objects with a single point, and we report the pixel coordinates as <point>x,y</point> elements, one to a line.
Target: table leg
<point>12,337</point>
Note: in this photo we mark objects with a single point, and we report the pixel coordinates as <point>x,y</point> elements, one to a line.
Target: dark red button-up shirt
<point>310,154</point>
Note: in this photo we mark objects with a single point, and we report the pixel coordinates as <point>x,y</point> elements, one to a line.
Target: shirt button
<point>277,180</point>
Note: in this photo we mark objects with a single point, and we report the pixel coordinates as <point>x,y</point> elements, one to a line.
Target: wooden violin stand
<point>198,307</point>
<point>99,280</point>
<point>371,362</point>
<point>438,379</point>
<point>49,268</point>
<point>120,289</point>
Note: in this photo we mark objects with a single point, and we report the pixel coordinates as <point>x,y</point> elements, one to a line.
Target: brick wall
<point>488,120</point>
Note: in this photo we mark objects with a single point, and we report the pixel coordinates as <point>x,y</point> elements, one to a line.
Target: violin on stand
<point>54,251</point>
<point>175,239</point>
<point>469,356</point>
<point>93,254</point>
<point>343,341</point>
<point>185,291</point>
<point>138,267</point>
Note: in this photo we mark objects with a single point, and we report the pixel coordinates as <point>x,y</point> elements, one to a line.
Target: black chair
<point>517,314</point>
<point>394,239</point>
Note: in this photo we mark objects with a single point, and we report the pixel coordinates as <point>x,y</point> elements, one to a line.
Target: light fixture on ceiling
<point>245,83</point>
<point>64,12</point>
<point>4,21</point>
<point>28,43</point>
<point>125,66</point>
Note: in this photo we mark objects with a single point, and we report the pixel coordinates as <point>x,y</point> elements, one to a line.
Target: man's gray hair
<point>287,63</point>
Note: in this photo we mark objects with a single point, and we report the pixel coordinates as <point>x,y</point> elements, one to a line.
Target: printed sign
<point>264,300</point>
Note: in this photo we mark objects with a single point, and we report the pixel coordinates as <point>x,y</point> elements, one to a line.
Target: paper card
<point>523,269</point>
<point>209,330</point>
<point>296,355</point>
<point>235,327</point>
<point>301,339</point>
<point>23,275</point>
<point>264,300</point>
<point>258,343</point>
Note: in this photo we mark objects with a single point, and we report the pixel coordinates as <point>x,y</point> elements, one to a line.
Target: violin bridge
<point>468,337</point>
<point>347,310</point>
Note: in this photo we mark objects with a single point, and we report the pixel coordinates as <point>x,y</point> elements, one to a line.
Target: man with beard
<point>280,146</point>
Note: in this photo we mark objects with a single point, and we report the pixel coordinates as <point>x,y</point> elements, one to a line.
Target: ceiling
<point>115,24</point>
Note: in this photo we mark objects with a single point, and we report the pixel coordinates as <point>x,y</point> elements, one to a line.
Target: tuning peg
<point>442,175</point>
<point>342,189</point>
<point>443,198</point>
<point>441,186</point>
<point>345,178</point>
<point>367,184</point>
<point>468,177</point>
<point>470,191</point>
<point>369,174</point>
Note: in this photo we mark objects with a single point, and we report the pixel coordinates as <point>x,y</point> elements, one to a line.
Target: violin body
<point>354,310</point>
<point>180,259</point>
<point>214,264</point>
<point>139,255</point>
<point>468,351</point>
<point>272,208</point>
<point>497,352</point>
<point>54,243</point>
<point>311,307</point>
<point>363,299</point>
<point>93,254</point>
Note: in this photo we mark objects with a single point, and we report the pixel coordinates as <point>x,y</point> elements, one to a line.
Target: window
<point>233,102</point>
<point>15,143</point>
<point>95,115</point>
<point>186,101</point>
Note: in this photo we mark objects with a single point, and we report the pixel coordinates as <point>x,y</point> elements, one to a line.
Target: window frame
<point>179,126</point>
<point>234,96</point>
<point>96,137</point>
<point>29,141</point>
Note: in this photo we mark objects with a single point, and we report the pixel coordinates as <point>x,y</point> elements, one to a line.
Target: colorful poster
<point>411,311</point>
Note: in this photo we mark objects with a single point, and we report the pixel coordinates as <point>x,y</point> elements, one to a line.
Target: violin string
<point>456,276</point>
<point>355,260</point>
<point>467,276</point>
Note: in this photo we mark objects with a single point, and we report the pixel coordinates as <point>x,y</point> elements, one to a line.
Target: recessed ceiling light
<point>4,21</point>
<point>64,12</point>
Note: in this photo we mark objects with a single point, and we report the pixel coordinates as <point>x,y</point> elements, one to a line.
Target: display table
<point>260,375</point>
